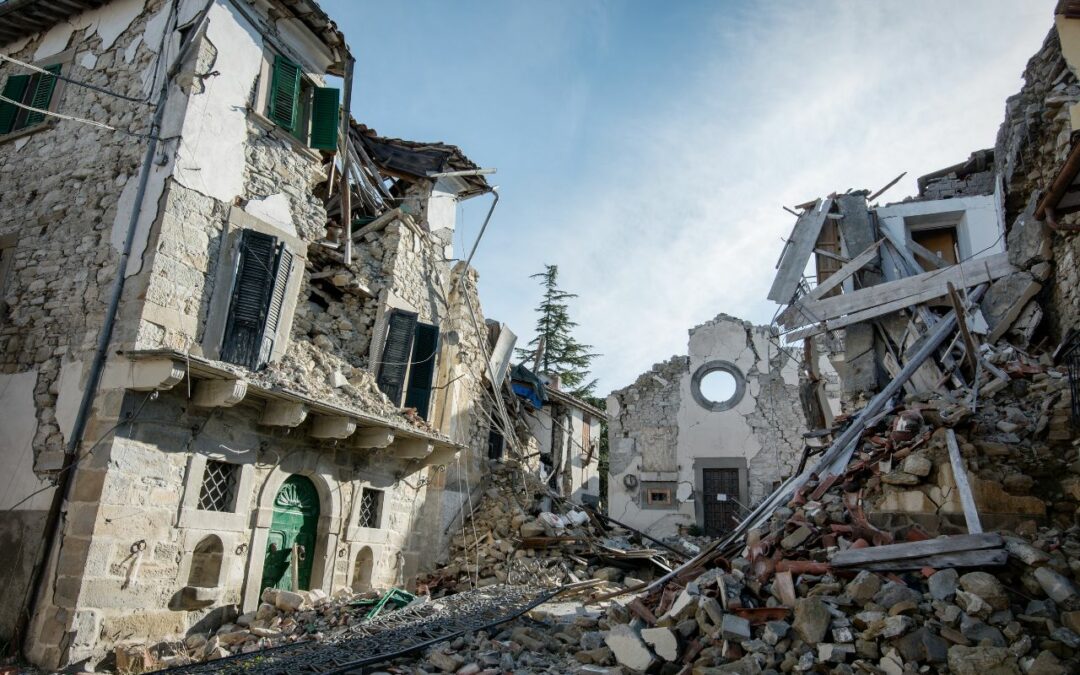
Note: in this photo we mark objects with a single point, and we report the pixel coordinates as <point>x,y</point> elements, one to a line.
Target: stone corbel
<point>142,375</point>
<point>218,393</point>
<point>442,454</point>
<point>326,426</point>
<point>412,448</point>
<point>374,438</point>
<point>283,414</point>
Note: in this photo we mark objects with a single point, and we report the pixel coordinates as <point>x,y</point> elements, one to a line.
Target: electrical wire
<point>78,83</point>
<point>71,118</point>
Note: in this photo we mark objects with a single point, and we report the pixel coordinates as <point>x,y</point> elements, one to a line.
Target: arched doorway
<point>292,532</point>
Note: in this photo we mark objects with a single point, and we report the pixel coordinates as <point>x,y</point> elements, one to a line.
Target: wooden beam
<point>218,393</point>
<point>971,354</point>
<point>967,499</point>
<point>926,254</point>
<point>835,279</point>
<point>917,549</point>
<point>797,252</point>
<point>982,558</point>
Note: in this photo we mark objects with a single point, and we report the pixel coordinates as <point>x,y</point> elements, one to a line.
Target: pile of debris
<point>521,533</point>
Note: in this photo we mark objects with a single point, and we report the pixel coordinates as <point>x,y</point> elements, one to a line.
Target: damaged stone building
<point>288,387</point>
<point>680,458</point>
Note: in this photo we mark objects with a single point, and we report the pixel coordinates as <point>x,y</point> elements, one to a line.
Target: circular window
<point>718,385</point>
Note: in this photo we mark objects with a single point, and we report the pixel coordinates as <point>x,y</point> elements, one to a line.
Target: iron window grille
<point>1070,354</point>
<point>370,507</point>
<point>218,491</point>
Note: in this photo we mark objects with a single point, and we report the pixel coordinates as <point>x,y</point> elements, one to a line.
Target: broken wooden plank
<point>967,500</point>
<point>917,549</point>
<point>929,256</point>
<point>790,315</point>
<point>981,558</point>
<point>970,351</point>
<point>797,252</point>
<point>888,185</point>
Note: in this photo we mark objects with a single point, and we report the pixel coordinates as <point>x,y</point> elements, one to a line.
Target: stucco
<point>979,230</point>
<point>18,424</point>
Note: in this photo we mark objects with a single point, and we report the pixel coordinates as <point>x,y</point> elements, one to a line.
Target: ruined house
<point>680,458</point>
<point>290,392</point>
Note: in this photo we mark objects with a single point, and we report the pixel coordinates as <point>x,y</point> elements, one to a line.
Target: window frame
<point>407,384</point>
<point>355,532</point>
<point>232,483</point>
<point>64,60</point>
<point>191,516</point>
<point>305,102</point>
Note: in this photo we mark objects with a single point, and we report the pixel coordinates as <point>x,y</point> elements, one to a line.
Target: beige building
<point>291,391</point>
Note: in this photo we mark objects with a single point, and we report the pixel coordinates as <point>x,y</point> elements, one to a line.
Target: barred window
<point>370,507</point>
<point>218,491</point>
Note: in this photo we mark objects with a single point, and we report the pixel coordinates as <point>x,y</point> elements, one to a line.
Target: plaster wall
<point>979,229</point>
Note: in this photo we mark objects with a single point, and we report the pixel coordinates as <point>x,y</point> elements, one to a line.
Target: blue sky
<point>647,147</point>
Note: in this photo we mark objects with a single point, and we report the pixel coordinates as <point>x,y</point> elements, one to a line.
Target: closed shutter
<point>422,372</point>
<point>14,89</point>
<point>42,96</point>
<point>277,300</point>
<point>284,92</point>
<point>252,288</point>
<point>396,352</point>
<point>324,118</point>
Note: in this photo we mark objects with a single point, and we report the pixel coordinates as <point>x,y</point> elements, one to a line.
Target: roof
<point>20,18</point>
<point>574,401</point>
<point>417,159</point>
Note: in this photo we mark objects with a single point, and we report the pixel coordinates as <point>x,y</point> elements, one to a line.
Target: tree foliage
<point>562,354</point>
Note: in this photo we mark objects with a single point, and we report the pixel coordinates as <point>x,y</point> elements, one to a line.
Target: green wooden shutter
<point>14,89</point>
<point>396,352</point>
<point>277,300</point>
<point>46,84</point>
<point>284,92</point>
<point>422,372</point>
<point>324,118</point>
<point>250,302</point>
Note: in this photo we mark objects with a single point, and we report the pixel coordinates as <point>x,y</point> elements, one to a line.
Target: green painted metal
<point>395,597</point>
<point>296,521</point>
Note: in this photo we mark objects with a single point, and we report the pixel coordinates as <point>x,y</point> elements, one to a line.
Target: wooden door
<point>941,241</point>
<point>294,528</point>
<point>720,494</point>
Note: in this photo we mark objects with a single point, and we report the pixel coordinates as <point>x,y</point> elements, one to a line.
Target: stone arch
<point>205,571</point>
<point>362,569</point>
<point>317,468</point>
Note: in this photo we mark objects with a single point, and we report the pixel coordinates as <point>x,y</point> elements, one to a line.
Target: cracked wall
<point>660,434</point>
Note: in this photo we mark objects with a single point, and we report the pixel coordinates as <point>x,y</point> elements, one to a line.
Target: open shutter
<point>250,301</point>
<point>422,373</point>
<point>284,92</point>
<point>277,299</point>
<point>46,84</point>
<point>396,352</point>
<point>14,89</point>
<point>324,118</point>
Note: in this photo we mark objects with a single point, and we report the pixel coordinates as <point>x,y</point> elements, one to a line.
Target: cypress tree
<point>563,354</point>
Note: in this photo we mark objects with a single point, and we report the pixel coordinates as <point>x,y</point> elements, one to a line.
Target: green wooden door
<point>296,521</point>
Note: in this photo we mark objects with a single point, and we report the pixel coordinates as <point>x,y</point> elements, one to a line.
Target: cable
<point>70,118</point>
<point>72,80</point>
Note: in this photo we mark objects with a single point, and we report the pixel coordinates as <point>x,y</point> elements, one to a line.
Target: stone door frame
<point>326,538</point>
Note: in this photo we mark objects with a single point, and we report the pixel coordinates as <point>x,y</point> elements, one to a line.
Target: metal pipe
<point>483,228</point>
<point>346,159</point>
<point>1061,183</point>
<point>64,482</point>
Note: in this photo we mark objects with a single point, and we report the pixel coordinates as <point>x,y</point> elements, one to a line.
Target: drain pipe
<point>64,482</point>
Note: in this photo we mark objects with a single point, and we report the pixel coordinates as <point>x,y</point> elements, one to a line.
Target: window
<point>939,245</point>
<point>35,91</point>
<point>718,385</point>
<point>407,367</point>
<point>658,496</point>
<point>370,507</point>
<point>496,443</point>
<point>308,112</point>
<point>218,491</point>
<point>7,261</point>
<point>258,293</point>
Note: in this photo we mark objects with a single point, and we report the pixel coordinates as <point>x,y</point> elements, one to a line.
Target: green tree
<point>562,353</point>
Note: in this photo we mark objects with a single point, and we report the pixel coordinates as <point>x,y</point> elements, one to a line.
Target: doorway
<point>720,497</point>
<point>290,543</point>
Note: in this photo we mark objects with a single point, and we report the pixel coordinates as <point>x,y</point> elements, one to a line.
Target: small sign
<point>721,497</point>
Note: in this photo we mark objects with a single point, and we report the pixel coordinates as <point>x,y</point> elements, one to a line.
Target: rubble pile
<point>519,533</point>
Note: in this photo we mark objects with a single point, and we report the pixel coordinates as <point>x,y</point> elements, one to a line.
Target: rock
<point>1071,620</point>
<point>895,626</point>
<point>448,663</point>
<point>607,574</point>
<point>1046,664</point>
<point>976,631</point>
<point>1057,587</point>
<point>982,661</point>
<point>287,601</point>
<point>812,619</point>
<point>987,587</point>
<point>917,465</point>
<point>713,610</point>
<point>266,612</point>
<point>469,669</point>
<point>900,478</point>
<point>628,648</point>
<point>973,604</point>
<point>684,607</point>
<point>796,538</point>
<point>532,529</point>
<point>774,632</point>
<point>1065,637</point>
<point>747,665</point>
<point>1025,552</point>
<point>663,642</point>
<point>1029,239</point>
<point>863,587</point>
<point>921,645</point>
<point>735,628</point>
<point>943,583</point>
<point>893,592</point>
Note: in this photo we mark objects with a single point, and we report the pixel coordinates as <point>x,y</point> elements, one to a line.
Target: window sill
<point>269,125</point>
<point>213,520</point>
<point>26,131</point>
<point>367,535</point>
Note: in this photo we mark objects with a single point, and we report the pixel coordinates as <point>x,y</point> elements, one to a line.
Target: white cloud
<point>796,101</point>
